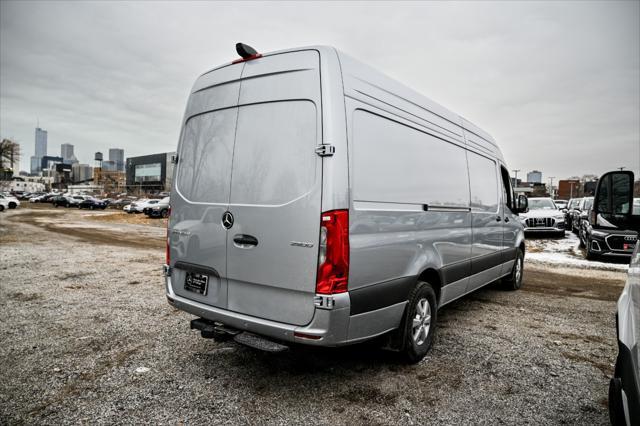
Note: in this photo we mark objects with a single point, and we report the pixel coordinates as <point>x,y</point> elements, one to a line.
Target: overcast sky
<point>556,83</point>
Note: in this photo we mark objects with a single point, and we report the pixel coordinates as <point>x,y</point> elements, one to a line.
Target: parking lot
<point>88,337</point>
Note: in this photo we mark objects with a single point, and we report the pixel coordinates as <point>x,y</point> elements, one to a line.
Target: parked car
<point>580,214</point>
<point>140,205</point>
<point>61,201</point>
<point>92,204</point>
<point>561,204</point>
<point>266,252</point>
<point>543,217</point>
<point>609,235</point>
<point>12,202</point>
<point>159,209</point>
<point>613,209</point>
<point>4,204</point>
<point>568,216</point>
<point>119,204</point>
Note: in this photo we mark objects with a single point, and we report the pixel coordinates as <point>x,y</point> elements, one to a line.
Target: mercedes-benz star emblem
<point>227,220</point>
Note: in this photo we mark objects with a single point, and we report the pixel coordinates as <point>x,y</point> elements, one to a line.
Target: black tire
<point>56,205</point>
<point>91,207</point>
<point>616,409</point>
<point>12,205</point>
<point>414,349</point>
<point>560,234</point>
<point>514,280</point>
<point>580,237</point>
<point>165,213</point>
<point>1,207</point>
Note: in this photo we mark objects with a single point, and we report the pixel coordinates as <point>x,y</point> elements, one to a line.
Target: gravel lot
<point>87,336</point>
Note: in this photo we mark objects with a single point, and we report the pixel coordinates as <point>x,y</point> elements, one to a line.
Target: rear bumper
<point>328,327</point>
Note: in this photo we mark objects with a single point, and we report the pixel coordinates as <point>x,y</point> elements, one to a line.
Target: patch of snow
<point>565,252</point>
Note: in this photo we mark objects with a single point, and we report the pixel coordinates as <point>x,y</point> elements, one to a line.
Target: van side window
<point>421,170</point>
<point>507,189</point>
<point>484,183</point>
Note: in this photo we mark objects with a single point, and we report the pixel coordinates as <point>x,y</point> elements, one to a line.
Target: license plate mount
<point>196,283</point>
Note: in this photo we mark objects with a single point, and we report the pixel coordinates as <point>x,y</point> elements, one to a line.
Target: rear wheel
<point>12,205</point>
<point>514,280</point>
<point>419,324</point>
<point>616,408</point>
<point>1,207</point>
<point>165,213</point>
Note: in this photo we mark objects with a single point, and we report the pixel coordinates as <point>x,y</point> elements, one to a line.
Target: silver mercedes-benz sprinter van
<point>318,201</point>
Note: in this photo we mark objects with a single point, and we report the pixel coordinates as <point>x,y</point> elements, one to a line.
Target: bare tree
<point>9,154</point>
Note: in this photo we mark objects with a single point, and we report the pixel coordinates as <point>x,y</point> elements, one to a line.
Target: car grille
<point>540,222</point>
<point>617,242</point>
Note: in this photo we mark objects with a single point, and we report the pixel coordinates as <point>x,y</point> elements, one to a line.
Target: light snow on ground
<point>565,252</point>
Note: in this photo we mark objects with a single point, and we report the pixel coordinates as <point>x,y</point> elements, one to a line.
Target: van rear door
<point>197,239</point>
<point>275,200</point>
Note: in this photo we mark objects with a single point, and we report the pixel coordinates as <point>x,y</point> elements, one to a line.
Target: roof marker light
<point>246,52</point>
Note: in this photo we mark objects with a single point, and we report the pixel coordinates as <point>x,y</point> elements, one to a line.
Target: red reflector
<point>248,58</point>
<point>306,336</point>
<point>333,267</point>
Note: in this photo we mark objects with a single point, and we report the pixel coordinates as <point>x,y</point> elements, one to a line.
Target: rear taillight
<point>333,256</point>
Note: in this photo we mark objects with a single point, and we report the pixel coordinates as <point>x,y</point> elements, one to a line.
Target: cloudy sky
<point>556,83</point>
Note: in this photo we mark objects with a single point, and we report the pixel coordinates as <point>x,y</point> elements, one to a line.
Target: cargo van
<point>317,201</point>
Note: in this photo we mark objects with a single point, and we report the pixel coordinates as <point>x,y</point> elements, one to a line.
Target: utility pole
<point>551,178</point>
<point>515,179</point>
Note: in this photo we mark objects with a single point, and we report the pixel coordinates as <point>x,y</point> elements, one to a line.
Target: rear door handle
<point>498,219</point>
<point>245,241</point>
<point>506,219</point>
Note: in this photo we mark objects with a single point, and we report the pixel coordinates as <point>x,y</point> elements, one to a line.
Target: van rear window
<point>204,158</point>
<point>274,158</point>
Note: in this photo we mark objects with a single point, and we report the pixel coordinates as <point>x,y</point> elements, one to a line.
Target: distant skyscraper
<point>40,151</point>
<point>117,156</point>
<point>534,176</point>
<point>81,172</point>
<point>41,142</point>
<point>66,151</point>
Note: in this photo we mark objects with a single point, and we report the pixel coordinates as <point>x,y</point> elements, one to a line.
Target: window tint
<point>484,183</point>
<point>274,160</point>
<point>204,159</point>
<point>422,170</point>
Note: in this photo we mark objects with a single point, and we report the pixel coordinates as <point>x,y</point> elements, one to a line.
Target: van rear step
<point>213,330</point>
<point>216,330</point>
<point>257,342</point>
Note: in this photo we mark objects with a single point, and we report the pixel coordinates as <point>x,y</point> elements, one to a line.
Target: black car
<point>92,204</point>
<point>571,209</point>
<point>61,201</point>
<point>608,235</point>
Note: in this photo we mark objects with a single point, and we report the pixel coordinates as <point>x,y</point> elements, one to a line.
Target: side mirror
<point>522,204</point>
<point>614,196</point>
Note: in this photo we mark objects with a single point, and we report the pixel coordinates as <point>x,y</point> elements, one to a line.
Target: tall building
<point>66,152</point>
<point>117,156</point>
<point>40,150</point>
<point>41,142</point>
<point>534,176</point>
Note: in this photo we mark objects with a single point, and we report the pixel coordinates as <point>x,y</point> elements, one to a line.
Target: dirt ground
<point>87,337</point>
